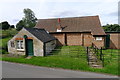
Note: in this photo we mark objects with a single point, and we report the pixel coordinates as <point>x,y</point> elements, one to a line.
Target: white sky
<point>12,10</point>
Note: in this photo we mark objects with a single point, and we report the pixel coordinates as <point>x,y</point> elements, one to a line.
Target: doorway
<point>29,47</point>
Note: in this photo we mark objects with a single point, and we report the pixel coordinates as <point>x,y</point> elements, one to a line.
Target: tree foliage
<point>29,19</point>
<point>12,26</point>
<point>4,25</point>
<point>111,27</point>
<point>20,25</point>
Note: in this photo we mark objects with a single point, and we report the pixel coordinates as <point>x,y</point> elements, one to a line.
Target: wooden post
<point>65,39</point>
<point>78,53</point>
<point>101,53</point>
<point>102,57</point>
<point>82,39</point>
<point>69,51</point>
<point>87,56</point>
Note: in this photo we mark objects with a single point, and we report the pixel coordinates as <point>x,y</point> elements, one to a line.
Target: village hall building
<point>49,33</point>
<point>85,31</point>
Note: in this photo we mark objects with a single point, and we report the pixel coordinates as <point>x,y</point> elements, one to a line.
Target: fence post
<point>103,60</point>
<point>78,53</point>
<point>95,51</point>
<point>101,53</point>
<point>87,56</point>
<point>102,56</point>
<point>69,51</point>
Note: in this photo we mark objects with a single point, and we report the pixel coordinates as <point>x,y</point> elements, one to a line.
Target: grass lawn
<point>3,41</point>
<point>5,36</point>
<point>70,57</point>
<point>3,45</point>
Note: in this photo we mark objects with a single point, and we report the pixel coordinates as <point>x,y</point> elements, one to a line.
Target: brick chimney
<point>59,29</point>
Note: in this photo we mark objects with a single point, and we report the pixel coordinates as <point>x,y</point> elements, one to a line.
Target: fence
<point>111,55</point>
<point>69,51</point>
<point>105,55</point>
<point>96,52</point>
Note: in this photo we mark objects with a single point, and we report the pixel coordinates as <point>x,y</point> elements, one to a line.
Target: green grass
<point>70,51</point>
<point>3,45</point>
<point>4,41</point>
<point>6,35</point>
<point>71,60</point>
<point>111,60</point>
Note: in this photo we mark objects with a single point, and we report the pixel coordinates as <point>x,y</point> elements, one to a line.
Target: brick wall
<point>73,39</point>
<point>114,40</point>
<point>99,43</point>
<point>60,38</point>
<point>85,39</point>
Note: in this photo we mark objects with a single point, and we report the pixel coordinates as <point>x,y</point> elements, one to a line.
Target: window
<point>19,44</point>
<point>98,38</point>
<point>12,44</point>
<point>59,30</point>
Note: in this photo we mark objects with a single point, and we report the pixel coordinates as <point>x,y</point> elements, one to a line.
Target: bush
<point>3,51</point>
<point>8,33</point>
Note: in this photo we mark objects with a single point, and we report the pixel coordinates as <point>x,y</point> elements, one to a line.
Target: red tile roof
<point>73,24</point>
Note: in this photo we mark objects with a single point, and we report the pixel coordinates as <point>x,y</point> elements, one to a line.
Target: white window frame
<point>20,45</point>
<point>98,38</point>
<point>59,30</point>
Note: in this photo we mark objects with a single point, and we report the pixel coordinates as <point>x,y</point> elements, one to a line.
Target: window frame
<point>20,44</point>
<point>98,38</point>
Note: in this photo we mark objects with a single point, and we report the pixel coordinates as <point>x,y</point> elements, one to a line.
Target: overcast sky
<point>12,10</point>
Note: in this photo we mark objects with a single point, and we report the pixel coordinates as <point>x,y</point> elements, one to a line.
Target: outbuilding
<point>32,42</point>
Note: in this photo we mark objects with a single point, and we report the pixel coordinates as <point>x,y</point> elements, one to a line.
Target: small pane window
<point>98,38</point>
<point>19,44</point>
<point>12,44</point>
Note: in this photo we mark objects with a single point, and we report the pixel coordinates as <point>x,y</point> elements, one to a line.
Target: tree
<point>0,26</point>
<point>12,26</point>
<point>5,25</point>
<point>111,27</point>
<point>29,18</point>
<point>20,25</point>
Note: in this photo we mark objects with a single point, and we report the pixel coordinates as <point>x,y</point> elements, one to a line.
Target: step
<point>29,57</point>
<point>92,58</point>
<point>92,62</point>
<point>90,53</point>
<point>100,66</point>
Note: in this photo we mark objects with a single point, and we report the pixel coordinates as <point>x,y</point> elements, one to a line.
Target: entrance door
<point>107,41</point>
<point>29,47</point>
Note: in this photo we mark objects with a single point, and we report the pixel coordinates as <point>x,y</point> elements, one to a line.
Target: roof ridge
<point>34,28</point>
<point>68,17</point>
<point>40,34</point>
<point>74,24</point>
